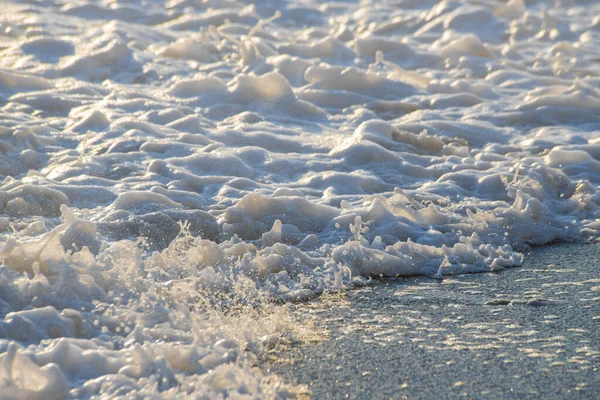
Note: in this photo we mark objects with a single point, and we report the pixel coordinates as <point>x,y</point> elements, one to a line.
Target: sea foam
<point>170,171</point>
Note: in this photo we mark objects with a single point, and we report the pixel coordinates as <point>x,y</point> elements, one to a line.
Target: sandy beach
<point>529,332</point>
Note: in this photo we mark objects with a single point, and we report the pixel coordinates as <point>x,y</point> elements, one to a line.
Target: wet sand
<point>529,332</point>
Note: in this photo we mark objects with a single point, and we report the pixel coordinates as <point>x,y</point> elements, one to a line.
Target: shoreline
<point>526,332</point>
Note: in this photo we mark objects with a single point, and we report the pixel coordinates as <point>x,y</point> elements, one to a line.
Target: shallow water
<point>169,168</point>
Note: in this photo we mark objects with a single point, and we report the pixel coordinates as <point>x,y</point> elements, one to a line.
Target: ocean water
<point>173,172</point>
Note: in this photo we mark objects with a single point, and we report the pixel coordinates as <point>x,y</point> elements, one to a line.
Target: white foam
<point>169,170</point>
